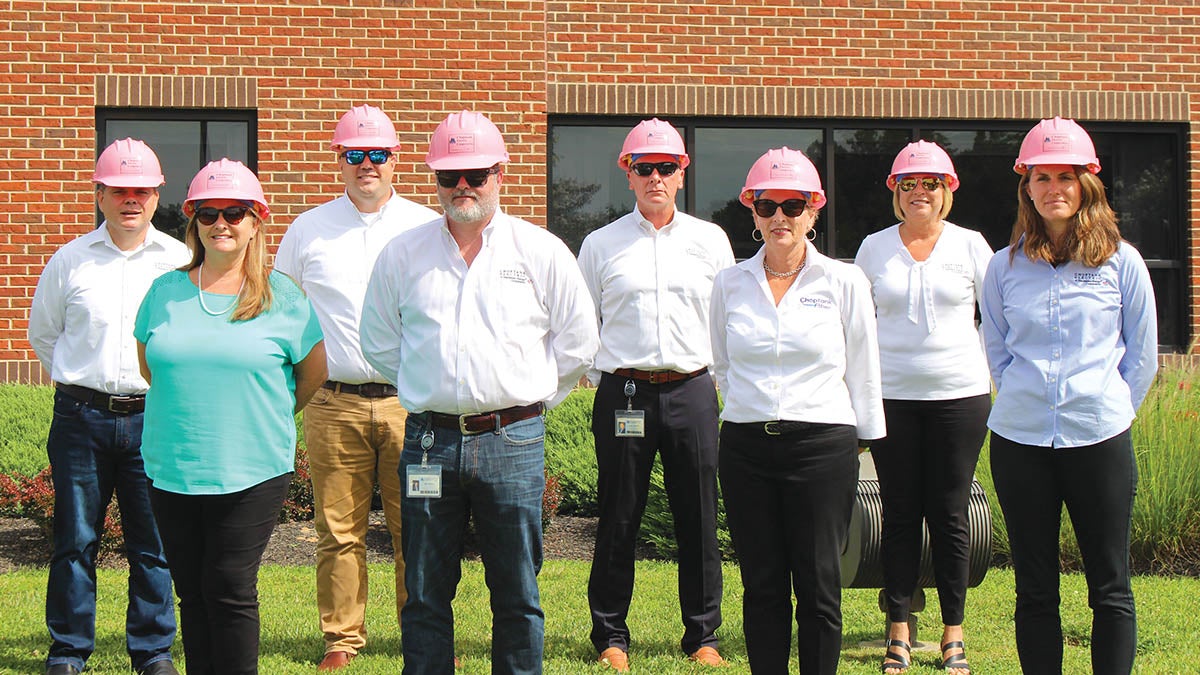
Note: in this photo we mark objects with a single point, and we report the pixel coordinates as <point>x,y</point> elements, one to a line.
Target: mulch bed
<point>22,543</point>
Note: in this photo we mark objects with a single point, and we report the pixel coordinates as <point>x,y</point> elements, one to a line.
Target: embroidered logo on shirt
<point>164,266</point>
<point>1090,279</point>
<point>815,302</point>
<point>697,252</point>
<point>956,268</point>
<point>517,275</point>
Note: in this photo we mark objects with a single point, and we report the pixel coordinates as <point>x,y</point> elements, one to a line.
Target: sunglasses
<point>765,208</point>
<point>356,157</point>
<point>664,169</point>
<point>207,215</point>
<point>908,184</point>
<point>475,177</point>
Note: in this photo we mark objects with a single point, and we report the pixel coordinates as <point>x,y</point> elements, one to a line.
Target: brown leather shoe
<point>457,663</point>
<point>707,656</point>
<point>615,658</point>
<point>335,661</point>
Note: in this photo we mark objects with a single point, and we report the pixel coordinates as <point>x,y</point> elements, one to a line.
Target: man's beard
<point>482,209</point>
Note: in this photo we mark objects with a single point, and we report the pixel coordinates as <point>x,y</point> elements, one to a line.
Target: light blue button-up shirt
<point>1072,349</point>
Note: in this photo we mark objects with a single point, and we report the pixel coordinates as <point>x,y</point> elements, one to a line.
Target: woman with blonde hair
<point>1071,335</point>
<point>234,350</point>
<point>926,275</point>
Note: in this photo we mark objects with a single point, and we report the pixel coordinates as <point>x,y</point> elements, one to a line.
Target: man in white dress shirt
<point>354,425</point>
<point>81,328</point>
<point>483,321</point>
<point>651,275</point>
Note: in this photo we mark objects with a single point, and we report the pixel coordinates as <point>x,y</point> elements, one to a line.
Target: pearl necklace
<point>200,294</point>
<point>784,275</point>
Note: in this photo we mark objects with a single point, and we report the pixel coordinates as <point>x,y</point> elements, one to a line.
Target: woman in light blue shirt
<point>235,350</point>
<point>1071,334</point>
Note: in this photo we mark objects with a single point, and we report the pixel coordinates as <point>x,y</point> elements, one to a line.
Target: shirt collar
<point>648,227</point>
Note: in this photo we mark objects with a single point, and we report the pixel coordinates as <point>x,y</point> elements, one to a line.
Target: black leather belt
<point>365,390</point>
<point>658,376</point>
<point>775,427</point>
<point>121,404</point>
<point>469,425</point>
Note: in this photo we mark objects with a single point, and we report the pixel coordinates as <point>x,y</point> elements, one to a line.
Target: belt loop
<point>496,416</point>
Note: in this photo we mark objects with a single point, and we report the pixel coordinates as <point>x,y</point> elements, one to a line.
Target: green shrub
<point>571,452</point>
<point>25,413</point>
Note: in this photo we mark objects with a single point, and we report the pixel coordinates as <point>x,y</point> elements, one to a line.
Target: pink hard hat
<point>465,140</point>
<point>128,163</point>
<point>365,127</point>
<point>923,157</point>
<point>226,179</point>
<point>1057,141</point>
<point>652,137</point>
<point>784,169</point>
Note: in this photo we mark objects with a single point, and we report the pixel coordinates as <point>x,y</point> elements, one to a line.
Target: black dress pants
<point>214,546</point>
<point>681,424</point>
<point>788,500</point>
<point>925,467</point>
<point>1097,483</point>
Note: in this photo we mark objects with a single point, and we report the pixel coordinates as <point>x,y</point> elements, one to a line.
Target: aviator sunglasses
<point>207,215</point>
<point>664,169</point>
<point>356,157</point>
<point>475,177</point>
<point>909,183</point>
<point>765,208</point>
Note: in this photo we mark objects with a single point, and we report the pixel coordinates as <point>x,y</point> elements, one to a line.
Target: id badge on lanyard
<point>424,480</point>
<point>629,423</point>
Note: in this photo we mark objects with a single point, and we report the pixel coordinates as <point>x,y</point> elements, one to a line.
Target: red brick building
<point>848,81</point>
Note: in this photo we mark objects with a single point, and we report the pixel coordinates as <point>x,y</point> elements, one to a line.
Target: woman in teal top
<point>232,351</point>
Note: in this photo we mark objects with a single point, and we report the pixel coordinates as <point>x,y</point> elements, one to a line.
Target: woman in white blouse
<point>926,276</point>
<point>794,345</point>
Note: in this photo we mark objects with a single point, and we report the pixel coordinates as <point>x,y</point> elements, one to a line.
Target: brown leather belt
<point>121,404</point>
<point>469,425</point>
<point>365,390</point>
<point>658,376</point>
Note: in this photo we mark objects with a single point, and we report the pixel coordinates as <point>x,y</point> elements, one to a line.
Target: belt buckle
<point>772,428</point>
<point>121,401</point>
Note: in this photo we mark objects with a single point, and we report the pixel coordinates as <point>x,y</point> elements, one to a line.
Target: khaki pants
<point>352,443</point>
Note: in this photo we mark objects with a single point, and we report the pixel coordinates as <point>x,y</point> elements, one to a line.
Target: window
<point>1143,172</point>
<point>184,140</point>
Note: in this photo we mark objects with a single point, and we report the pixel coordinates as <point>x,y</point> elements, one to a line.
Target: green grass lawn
<point>1168,617</point>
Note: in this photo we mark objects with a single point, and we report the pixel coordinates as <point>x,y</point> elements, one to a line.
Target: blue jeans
<point>92,454</point>
<point>499,480</point>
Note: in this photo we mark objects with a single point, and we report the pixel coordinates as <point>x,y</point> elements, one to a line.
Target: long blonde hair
<point>1092,234</point>
<point>255,297</point>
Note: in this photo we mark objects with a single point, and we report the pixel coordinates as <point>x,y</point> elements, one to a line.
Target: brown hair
<point>255,297</point>
<point>1092,235</point>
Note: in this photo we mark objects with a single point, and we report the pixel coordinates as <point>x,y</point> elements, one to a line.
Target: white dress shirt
<point>652,290</point>
<point>514,328</point>
<point>1072,349</point>
<point>814,358</point>
<point>929,347</point>
<point>81,320</point>
<point>330,251</point>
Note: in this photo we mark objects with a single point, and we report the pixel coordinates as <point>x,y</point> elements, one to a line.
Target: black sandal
<point>958,660</point>
<point>900,662</point>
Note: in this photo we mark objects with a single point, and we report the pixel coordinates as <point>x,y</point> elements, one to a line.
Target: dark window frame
<point>1175,265</point>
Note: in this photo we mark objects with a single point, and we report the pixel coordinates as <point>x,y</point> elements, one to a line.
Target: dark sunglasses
<point>207,215</point>
<point>475,177</point>
<point>664,169</point>
<point>908,184</point>
<point>356,157</point>
<point>765,208</point>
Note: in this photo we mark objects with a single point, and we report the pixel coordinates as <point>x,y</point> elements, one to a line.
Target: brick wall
<point>301,63</point>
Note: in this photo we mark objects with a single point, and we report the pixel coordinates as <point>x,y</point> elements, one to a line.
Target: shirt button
<point>1053,329</point>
